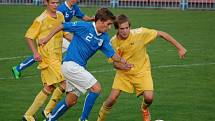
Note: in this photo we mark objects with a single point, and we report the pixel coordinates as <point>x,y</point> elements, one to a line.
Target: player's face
<point>104,26</point>
<point>73,1</point>
<point>124,30</point>
<point>52,5</point>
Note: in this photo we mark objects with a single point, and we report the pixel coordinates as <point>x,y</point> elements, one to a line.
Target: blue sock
<point>26,63</point>
<point>88,104</point>
<point>59,110</point>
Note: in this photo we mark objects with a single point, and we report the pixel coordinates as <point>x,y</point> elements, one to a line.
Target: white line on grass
<point>110,70</point>
<point>12,58</point>
<point>17,57</point>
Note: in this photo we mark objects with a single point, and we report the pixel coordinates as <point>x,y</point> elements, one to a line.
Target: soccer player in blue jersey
<point>87,39</point>
<point>69,9</point>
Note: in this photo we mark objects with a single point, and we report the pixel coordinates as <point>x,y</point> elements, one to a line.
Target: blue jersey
<point>70,12</point>
<point>86,41</point>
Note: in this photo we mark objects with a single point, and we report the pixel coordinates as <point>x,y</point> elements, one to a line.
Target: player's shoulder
<point>138,30</point>
<point>60,14</point>
<point>75,5</point>
<point>62,6</point>
<point>42,17</point>
<point>84,23</point>
<point>113,39</point>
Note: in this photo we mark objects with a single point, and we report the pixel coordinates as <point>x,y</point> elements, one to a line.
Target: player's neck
<point>52,13</point>
<point>69,3</point>
<point>120,37</point>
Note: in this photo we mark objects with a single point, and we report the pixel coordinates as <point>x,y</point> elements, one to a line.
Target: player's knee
<point>71,99</point>
<point>48,89</point>
<point>148,100</point>
<point>62,86</point>
<point>148,97</point>
<point>96,88</point>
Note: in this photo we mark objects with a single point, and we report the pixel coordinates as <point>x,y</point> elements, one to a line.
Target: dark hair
<point>120,19</point>
<point>104,14</point>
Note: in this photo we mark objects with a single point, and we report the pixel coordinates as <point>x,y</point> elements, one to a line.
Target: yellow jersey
<point>40,28</point>
<point>133,49</point>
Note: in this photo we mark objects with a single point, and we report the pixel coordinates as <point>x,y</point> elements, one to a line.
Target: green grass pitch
<point>184,89</point>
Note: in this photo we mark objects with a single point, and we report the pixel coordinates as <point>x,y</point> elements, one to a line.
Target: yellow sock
<point>144,105</point>
<point>103,112</point>
<point>54,100</point>
<point>38,102</point>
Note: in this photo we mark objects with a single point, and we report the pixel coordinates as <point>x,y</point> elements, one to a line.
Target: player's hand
<point>122,66</point>
<point>93,18</point>
<point>37,57</point>
<point>182,52</point>
<point>42,41</point>
<point>122,60</point>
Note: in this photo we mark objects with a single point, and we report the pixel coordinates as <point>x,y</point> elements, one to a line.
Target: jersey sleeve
<point>34,29</point>
<point>107,48</point>
<point>78,13</point>
<point>148,35</point>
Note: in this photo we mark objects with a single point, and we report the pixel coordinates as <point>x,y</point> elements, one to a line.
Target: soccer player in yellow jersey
<point>48,56</point>
<point>131,44</point>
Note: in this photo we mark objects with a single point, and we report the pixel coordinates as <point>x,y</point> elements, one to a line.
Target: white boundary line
<point>154,67</point>
<point>17,57</point>
<point>12,58</point>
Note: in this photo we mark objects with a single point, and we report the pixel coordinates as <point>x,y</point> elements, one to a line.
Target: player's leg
<point>63,106</point>
<point>144,86</point>
<point>54,76</point>
<point>16,70</point>
<point>38,102</point>
<point>90,101</point>
<point>81,79</point>
<point>54,99</point>
<point>147,101</point>
<point>107,105</point>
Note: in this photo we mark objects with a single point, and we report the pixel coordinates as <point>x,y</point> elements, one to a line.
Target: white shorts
<point>65,45</point>
<point>78,79</point>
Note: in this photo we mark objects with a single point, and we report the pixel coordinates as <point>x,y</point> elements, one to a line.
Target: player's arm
<point>181,50</point>
<point>68,37</point>
<point>33,49</point>
<point>50,35</point>
<point>121,66</point>
<point>88,18</point>
<point>120,63</point>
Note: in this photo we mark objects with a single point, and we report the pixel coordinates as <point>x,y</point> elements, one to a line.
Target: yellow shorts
<point>128,83</point>
<point>51,73</point>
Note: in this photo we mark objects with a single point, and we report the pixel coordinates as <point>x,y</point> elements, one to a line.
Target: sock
<point>103,112</point>
<point>145,111</point>
<point>144,105</point>
<point>26,63</point>
<point>54,100</point>
<point>59,110</point>
<point>88,105</point>
<point>38,102</point>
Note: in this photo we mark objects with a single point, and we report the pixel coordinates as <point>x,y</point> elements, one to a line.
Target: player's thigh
<point>143,82</point>
<point>122,82</point>
<point>52,74</point>
<point>78,76</point>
